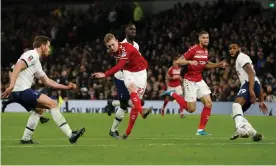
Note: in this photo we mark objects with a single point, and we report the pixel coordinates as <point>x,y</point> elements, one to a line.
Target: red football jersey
<point>129,59</point>
<point>200,55</point>
<point>174,71</point>
<point>135,61</point>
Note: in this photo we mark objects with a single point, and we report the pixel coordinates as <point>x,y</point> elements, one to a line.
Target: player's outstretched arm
<point>51,83</point>
<point>21,65</point>
<point>211,65</point>
<point>251,78</point>
<point>116,68</point>
<point>111,71</point>
<point>183,61</point>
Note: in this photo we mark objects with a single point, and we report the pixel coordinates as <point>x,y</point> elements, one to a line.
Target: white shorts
<point>119,75</point>
<point>178,89</point>
<point>138,78</point>
<point>195,90</point>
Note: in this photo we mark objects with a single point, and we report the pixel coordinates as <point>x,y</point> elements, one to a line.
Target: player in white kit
<point>5,103</point>
<point>249,91</point>
<point>28,66</point>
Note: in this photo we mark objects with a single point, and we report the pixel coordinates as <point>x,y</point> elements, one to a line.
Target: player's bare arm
<point>51,83</point>
<point>183,61</point>
<point>262,104</point>
<point>211,65</point>
<point>251,78</point>
<point>21,65</point>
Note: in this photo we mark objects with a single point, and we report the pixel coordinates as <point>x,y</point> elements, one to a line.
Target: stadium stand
<point>78,49</point>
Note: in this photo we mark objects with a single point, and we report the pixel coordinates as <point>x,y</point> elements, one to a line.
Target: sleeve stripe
<point>25,62</point>
<point>123,58</point>
<point>245,64</point>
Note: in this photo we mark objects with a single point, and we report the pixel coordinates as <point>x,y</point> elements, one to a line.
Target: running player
<point>133,66</point>
<point>122,92</point>
<point>5,103</point>
<point>174,83</point>
<point>28,66</point>
<point>250,90</point>
<point>194,86</point>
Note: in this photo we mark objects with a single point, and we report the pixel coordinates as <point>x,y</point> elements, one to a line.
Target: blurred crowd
<point>78,49</point>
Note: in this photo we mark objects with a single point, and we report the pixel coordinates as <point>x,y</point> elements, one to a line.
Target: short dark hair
<point>175,56</point>
<point>39,40</point>
<point>235,42</point>
<point>202,33</point>
<point>128,25</point>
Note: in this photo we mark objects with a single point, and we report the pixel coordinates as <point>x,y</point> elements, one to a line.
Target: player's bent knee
<point>191,110</point>
<point>46,102</point>
<point>132,88</point>
<point>53,104</point>
<point>240,100</point>
<point>208,104</point>
<point>191,107</point>
<point>39,111</point>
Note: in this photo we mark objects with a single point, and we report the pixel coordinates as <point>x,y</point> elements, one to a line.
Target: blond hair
<point>109,37</point>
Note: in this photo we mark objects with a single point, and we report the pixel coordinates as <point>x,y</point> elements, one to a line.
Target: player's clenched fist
<point>223,64</point>
<point>72,85</point>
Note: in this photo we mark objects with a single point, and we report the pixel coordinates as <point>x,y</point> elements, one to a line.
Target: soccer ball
<point>244,130</point>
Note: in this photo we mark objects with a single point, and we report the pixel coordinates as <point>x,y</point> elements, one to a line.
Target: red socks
<point>136,102</point>
<point>206,112</point>
<point>181,109</point>
<point>132,118</point>
<point>180,100</point>
<point>165,103</point>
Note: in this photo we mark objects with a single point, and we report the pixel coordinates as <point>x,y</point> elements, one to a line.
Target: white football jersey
<point>119,75</point>
<point>26,77</point>
<point>242,60</point>
<point>134,44</point>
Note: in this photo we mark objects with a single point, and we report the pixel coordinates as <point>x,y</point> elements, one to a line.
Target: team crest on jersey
<point>30,58</point>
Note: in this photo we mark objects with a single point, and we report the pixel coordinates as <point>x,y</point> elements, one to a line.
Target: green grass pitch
<point>156,140</point>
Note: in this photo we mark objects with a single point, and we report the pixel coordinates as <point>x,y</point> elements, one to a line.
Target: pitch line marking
<point>116,145</point>
<point>137,138</point>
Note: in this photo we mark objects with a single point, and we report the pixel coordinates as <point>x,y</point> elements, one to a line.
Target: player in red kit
<point>194,86</point>
<point>133,66</point>
<point>174,83</point>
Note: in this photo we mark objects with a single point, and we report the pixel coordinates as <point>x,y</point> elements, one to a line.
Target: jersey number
<point>140,90</point>
<point>241,91</point>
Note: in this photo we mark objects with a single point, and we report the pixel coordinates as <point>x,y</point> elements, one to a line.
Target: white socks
<point>240,120</point>
<point>130,103</point>
<point>115,103</point>
<point>61,122</point>
<point>237,114</point>
<point>31,125</point>
<point>118,118</point>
